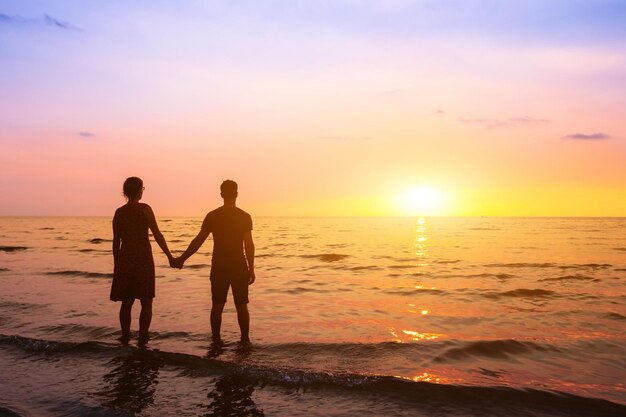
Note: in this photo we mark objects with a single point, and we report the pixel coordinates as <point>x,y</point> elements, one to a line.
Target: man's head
<point>229,190</point>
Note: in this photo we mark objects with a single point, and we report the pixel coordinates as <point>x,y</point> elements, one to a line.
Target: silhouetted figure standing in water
<point>133,276</point>
<point>230,266</point>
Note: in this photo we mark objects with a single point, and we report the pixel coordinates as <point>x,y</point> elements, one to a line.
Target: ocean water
<point>350,316</point>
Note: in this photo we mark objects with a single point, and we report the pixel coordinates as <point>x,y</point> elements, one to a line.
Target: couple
<point>232,264</point>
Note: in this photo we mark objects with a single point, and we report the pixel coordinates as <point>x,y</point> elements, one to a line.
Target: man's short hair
<point>229,189</point>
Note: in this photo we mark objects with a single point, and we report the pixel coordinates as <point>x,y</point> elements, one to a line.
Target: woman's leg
<point>125,310</point>
<point>145,317</point>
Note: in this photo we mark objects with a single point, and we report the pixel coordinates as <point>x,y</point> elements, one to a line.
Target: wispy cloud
<point>584,136</point>
<point>85,134</point>
<point>51,21</point>
<point>527,120</point>
<point>344,138</point>
<point>45,19</point>
<point>513,121</point>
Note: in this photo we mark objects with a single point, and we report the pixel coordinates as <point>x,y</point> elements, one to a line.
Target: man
<point>230,266</point>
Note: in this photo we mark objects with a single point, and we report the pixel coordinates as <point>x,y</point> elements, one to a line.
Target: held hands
<point>176,263</point>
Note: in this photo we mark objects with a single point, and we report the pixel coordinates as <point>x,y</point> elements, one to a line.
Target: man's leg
<point>243,318</point>
<point>145,318</point>
<point>125,310</point>
<point>216,320</point>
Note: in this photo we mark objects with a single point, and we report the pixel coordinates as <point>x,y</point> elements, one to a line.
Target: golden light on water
<point>421,237</point>
<point>426,377</point>
<point>421,286</point>
<point>422,311</point>
<point>422,336</point>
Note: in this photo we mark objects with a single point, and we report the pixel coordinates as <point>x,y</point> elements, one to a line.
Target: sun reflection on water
<point>421,250</point>
<point>420,310</point>
<point>422,336</point>
<point>426,377</point>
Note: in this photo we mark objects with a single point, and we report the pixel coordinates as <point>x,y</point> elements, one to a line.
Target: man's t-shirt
<point>229,225</point>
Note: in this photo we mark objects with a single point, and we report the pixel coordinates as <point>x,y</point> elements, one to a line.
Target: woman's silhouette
<point>133,276</point>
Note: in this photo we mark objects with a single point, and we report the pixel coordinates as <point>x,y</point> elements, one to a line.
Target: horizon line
<point>345,216</point>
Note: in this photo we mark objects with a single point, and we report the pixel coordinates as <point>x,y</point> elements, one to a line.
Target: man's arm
<point>193,246</point>
<point>248,245</point>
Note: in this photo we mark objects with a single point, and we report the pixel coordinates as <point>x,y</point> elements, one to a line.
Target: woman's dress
<point>133,275</point>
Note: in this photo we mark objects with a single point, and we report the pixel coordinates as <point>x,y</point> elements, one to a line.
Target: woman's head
<point>133,188</point>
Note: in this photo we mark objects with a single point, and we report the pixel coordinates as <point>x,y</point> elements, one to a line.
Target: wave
<point>299,290</point>
<point>4,269</point>
<point>581,266</point>
<point>495,349</point>
<point>98,240</point>
<point>81,274</point>
<point>548,265</point>
<point>614,316</point>
<point>413,291</point>
<point>197,266</point>
<point>522,293</point>
<point>483,275</point>
<point>364,268</point>
<point>523,265</point>
<point>7,412</point>
<point>78,329</point>
<point>16,305</point>
<point>577,277</point>
<point>432,398</point>
<point>327,257</point>
<point>12,248</point>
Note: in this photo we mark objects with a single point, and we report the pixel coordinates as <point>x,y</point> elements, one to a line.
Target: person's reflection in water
<point>216,348</point>
<point>232,396</point>
<point>130,386</point>
<point>242,352</point>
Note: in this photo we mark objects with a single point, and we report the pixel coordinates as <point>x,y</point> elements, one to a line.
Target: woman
<point>133,276</point>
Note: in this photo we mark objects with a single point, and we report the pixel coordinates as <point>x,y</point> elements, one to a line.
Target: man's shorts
<point>226,274</point>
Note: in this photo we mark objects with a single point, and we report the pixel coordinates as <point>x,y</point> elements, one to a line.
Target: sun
<point>422,201</point>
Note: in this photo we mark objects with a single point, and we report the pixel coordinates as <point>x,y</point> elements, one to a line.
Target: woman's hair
<point>133,187</point>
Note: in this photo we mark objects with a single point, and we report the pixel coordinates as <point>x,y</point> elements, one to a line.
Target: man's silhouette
<point>230,266</point>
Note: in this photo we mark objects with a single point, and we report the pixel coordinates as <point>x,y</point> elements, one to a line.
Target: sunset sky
<point>316,108</point>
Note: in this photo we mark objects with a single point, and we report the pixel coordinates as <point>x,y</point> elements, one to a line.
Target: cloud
<point>5,18</point>
<point>591,136</point>
<point>513,121</point>
<point>439,111</point>
<point>527,120</point>
<point>85,134</point>
<point>46,19</point>
<point>51,21</point>
<point>344,138</point>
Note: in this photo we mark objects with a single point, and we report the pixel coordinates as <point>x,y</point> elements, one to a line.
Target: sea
<point>363,316</point>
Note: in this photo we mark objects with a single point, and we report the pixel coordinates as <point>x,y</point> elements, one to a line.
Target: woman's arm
<point>158,236</point>
<point>116,239</point>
